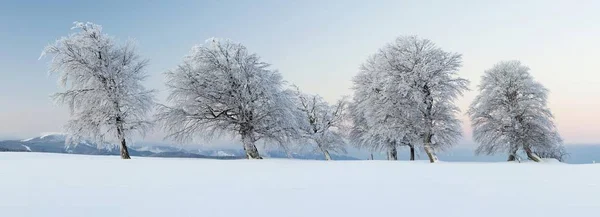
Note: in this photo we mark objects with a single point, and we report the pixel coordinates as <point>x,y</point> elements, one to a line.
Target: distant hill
<point>578,154</point>
<point>55,143</point>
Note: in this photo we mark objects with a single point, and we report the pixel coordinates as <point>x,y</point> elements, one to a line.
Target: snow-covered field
<point>33,184</point>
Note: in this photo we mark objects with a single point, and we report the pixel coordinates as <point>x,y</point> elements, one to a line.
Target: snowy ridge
<point>48,136</point>
<point>45,135</point>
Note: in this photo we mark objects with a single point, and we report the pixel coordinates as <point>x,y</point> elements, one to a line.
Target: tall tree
<point>415,89</point>
<point>322,123</point>
<point>510,114</point>
<point>103,82</point>
<point>221,88</point>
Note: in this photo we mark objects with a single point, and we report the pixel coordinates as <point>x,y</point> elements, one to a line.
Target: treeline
<point>404,95</point>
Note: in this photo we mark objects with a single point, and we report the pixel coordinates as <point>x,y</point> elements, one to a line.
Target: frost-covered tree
<point>223,89</point>
<point>510,115</point>
<point>413,86</point>
<point>374,126</point>
<point>103,82</point>
<point>322,123</point>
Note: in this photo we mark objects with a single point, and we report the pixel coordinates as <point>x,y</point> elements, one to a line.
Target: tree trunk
<point>429,150</point>
<point>249,147</point>
<point>430,153</point>
<point>392,153</point>
<point>325,152</point>
<point>512,155</point>
<point>121,136</point>
<point>327,156</point>
<point>532,156</point>
<point>412,152</point>
<point>429,125</point>
<point>124,151</point>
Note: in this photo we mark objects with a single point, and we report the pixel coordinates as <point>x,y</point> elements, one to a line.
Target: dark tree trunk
<point>512,155</point>
<point>124,151</point>
<point>532,156</point>
<point>121,136</point>
<point>412,152</point>
<point>252,151</point>
<point>392,153</point>
<point>249,147</point>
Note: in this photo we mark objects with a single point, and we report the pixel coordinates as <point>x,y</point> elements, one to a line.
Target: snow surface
<point>62,185</point>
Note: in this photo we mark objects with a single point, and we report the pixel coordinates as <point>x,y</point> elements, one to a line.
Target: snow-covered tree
<point>375,127</point>
<point>103,82</point>
<point>510,115</point>
<point>322,123</point>
<point>223,89</point>
<point>411,86</point>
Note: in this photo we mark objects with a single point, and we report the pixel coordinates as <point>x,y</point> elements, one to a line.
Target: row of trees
<point>403,96</point>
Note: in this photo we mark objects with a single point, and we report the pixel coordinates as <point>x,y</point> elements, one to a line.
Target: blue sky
<point>317,45</point>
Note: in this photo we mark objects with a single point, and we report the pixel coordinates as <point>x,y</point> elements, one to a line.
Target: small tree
<point>510,114</point>
<point>103,83</point>
<point>322,123</point>
<point>221,88</point>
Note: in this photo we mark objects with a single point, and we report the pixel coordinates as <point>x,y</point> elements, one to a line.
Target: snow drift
<point>35,184</point>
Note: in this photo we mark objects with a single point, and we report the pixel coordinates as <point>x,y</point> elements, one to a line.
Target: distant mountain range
<point>577,154</point>
<point>55,143</point>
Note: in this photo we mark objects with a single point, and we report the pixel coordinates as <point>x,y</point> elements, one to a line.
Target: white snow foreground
<point>33,184</point>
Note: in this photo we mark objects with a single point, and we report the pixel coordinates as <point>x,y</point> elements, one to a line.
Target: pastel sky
<point>317,45</point>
